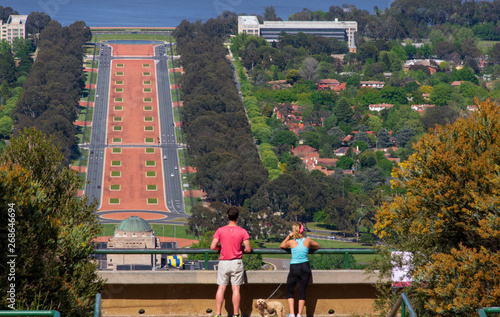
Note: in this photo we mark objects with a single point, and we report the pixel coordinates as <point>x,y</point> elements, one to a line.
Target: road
<point>168,142</point>
<point>98,140</point>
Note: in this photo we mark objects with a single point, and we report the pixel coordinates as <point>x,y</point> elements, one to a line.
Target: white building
<point>379,107</point>
<point>270,30</point>
<point>15,27</point>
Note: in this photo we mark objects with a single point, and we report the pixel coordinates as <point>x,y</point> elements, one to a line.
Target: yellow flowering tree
<point>449,216</point>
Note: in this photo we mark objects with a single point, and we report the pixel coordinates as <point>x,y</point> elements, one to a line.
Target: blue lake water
<point>159,13</point>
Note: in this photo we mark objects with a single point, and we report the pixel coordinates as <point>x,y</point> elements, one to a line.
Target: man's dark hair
<point>233,213</point>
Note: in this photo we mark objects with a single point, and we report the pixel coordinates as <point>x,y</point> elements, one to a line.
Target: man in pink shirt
<point>230,264</point>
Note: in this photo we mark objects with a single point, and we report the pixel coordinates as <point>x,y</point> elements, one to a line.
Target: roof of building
<point>304,148</point>
<point>248,19</point>
<point>16,19</point>
<point>381,105</point>
<point>134,223</point>
<point>371,82</point>
<point>456,83</point>
<point>329,81</point>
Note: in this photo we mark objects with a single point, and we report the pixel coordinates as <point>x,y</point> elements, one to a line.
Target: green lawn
<point>174,78</point>
<point>88,64</point>
<point>79,136</point>
<point>88,75</point>
<point>187,203</point>
<point>176,64</point>
<point>81,113</point>
<point>152,37</point>
<point>486,45</point>
<point>179,136</point>
<point>175,95</point>
<point>326,244</point>
<point>159,229</point>
<point>180,232</point>
<point>83,160</point>
<point>82,177</point>
<point>88,95</point>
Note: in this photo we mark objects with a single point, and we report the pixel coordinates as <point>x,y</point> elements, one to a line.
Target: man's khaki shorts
<point>230,270</point>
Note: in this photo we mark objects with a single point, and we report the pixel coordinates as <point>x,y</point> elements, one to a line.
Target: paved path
<point>133,132</point>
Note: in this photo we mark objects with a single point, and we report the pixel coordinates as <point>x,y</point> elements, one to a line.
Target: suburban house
<point>431,65</point>
<point>279,84</point>
<point>312,161</point>
<point>379,107</point>
<point>341,151</point>
<point>372,84</point>
<point>421,108</point>
<point>303,150</point>
<point>456,83</point>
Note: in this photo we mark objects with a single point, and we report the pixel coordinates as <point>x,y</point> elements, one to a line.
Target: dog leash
<point>274,291</point>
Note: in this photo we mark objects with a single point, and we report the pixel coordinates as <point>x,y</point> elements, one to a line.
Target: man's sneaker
<point>237,315</point>
<point>217,316</point>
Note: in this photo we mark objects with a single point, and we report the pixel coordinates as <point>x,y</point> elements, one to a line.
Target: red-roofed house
<point>295,127</point>
<point>421,108</point>
<point>379,107</point>
<point>303,150</point>
<point>341,151</point>
<point>325,84</point>
<point>456,83</point>
<point>339,88</point>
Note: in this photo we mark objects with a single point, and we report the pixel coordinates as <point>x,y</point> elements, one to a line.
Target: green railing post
<point>403,308</point>
<point>346,260</point>
<point>206,260</point>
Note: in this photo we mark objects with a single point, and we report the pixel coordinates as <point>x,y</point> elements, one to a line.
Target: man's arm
<point>215,245</point>
<point>248,248</point>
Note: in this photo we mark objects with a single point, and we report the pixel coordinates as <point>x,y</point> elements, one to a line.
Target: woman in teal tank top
<point>300,271</point>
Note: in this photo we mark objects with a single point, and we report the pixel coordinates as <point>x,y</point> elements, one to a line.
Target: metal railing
<point>345,251</point>
<point>404,304</point>
<point>97,307</point>
<point>53,313</point>
<point>483,312</point>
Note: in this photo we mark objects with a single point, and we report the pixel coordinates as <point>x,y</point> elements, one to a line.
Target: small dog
<point>267,308</point>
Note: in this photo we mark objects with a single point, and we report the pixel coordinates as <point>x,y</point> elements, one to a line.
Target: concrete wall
<point>191,293</point>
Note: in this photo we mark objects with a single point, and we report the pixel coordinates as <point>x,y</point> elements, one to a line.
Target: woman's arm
<point>285,243</point>
<point>312,244</point>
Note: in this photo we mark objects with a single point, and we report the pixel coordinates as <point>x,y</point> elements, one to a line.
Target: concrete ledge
<point>253,277</point>
<point>191,293</point>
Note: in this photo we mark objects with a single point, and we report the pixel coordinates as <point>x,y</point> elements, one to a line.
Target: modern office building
<point>270,30</point>
<point>15,27</point>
